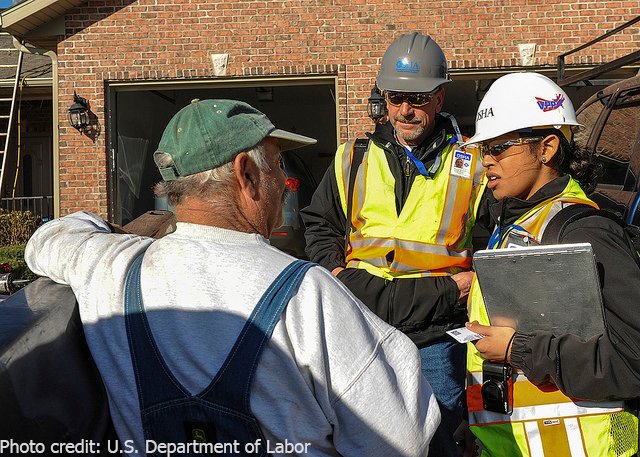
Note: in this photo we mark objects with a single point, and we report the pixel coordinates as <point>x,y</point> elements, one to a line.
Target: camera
<point>497,387</point>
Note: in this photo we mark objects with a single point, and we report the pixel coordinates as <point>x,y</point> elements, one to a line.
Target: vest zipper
<point>407,166</point>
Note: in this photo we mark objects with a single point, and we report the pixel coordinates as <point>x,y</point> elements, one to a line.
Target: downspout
<point>54,106</point>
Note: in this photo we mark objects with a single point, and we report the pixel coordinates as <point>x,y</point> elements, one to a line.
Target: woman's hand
<point>494,345</point>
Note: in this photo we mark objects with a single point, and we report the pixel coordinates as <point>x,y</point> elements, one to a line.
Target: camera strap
<point>506,353</point>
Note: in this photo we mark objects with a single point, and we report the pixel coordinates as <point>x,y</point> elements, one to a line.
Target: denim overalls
<point>221,413</point>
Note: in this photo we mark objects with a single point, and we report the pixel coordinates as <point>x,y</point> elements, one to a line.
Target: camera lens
<point>492,389</point>
<point>495,397</point>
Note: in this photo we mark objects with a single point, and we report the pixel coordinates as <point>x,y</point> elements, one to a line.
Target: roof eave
<point>26,18</point>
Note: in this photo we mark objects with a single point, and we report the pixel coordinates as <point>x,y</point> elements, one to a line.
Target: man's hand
<point>494,345</point>
<point>336,270</point>
<point>463,281</point>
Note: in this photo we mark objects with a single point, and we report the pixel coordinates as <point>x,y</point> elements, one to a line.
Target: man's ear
<point>248,176</point>
<point>548,151</point>
<point>439,99</point>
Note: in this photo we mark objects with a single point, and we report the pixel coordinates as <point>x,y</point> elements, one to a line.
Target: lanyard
<point>422,169</point>
<point>458,136</point>
<point>498,237</point>
<point>418,163</point>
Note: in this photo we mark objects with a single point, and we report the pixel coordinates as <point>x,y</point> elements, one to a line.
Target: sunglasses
<point>495,150</point>
<point>416,100</point>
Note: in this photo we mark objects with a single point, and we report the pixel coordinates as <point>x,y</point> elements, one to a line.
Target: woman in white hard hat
<point>524,129</point>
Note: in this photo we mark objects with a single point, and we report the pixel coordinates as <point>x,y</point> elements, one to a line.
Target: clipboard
<point>555,288</point>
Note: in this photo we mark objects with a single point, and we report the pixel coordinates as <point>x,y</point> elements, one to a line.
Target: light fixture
<point>376,107</point>
<point>79,113</point>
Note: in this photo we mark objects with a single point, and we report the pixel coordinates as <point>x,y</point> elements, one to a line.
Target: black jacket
<point>605,367</point>
<point>422,308</point>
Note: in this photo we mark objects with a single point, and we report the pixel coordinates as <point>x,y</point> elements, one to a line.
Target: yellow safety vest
<point>432,234</point>
<point>544,423</point>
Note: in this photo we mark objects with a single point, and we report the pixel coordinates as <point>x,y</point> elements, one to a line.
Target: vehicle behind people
<point>289,237</point>
<point>612,131</point>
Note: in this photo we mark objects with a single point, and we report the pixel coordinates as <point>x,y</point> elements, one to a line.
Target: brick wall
<point>169,39</point>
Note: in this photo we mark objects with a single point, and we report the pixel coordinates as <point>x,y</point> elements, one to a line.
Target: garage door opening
<point>139,114</point>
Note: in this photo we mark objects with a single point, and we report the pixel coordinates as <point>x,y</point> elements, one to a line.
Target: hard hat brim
<point>409,85</point>
<point>480,137</point>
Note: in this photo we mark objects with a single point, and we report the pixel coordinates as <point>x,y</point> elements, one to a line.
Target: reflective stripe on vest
<point>430,237</point>
<point>532,403</point>
<point>544,421</point>
<point>533,223</point>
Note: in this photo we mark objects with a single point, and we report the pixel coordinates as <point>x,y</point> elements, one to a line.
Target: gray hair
<point>213,185</point>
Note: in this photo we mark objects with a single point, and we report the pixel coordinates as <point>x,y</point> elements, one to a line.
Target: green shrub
<point>14,256</point>
<point>16,227</point>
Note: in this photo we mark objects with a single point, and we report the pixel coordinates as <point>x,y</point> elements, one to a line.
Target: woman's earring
<point>544,160</point>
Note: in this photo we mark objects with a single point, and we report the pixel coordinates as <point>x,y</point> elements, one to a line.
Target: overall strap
<point>232,384</point>
<point>154,380</point>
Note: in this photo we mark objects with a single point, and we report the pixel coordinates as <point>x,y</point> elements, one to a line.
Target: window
<point>615,145</point>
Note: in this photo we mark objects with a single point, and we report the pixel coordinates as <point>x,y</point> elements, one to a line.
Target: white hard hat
<point>519,101</point>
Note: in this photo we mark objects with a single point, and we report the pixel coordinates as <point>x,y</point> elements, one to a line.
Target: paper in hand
<point>464,335</point>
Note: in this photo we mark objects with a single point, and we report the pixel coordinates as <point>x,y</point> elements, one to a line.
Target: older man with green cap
<point>209,340</point>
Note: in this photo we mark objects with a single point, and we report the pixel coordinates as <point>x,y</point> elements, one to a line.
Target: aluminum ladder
<point>7,118</point>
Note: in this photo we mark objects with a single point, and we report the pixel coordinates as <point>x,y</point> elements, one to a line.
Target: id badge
<point>461,164</point>
<point>520,240</point>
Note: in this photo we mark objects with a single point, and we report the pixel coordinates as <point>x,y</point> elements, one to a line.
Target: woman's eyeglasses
<point>495,150</point>
<point>416,100</point>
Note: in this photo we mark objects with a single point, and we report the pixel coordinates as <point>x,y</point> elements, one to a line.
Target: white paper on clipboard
<point>552,287</point>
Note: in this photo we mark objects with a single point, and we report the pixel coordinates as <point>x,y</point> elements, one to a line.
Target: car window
<point>588,117</point>
<point>613,170</point>
<point>621,129</point>
<point>617,139</point>
<point>629,104</point>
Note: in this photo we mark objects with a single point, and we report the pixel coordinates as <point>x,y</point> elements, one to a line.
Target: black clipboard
<point>555,288</point>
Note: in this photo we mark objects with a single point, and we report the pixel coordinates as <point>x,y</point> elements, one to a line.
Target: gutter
<point>28,49</point>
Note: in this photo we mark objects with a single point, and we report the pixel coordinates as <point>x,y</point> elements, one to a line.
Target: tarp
<point>50,389</point>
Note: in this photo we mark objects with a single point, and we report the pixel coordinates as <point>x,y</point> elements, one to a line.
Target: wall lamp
<point>376,107</point>
<point>79,113</point>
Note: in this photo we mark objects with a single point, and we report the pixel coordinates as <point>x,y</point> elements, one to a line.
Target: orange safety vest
<point>544,421</point>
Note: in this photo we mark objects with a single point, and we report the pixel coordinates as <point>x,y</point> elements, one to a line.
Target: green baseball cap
<point>209,133</point>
